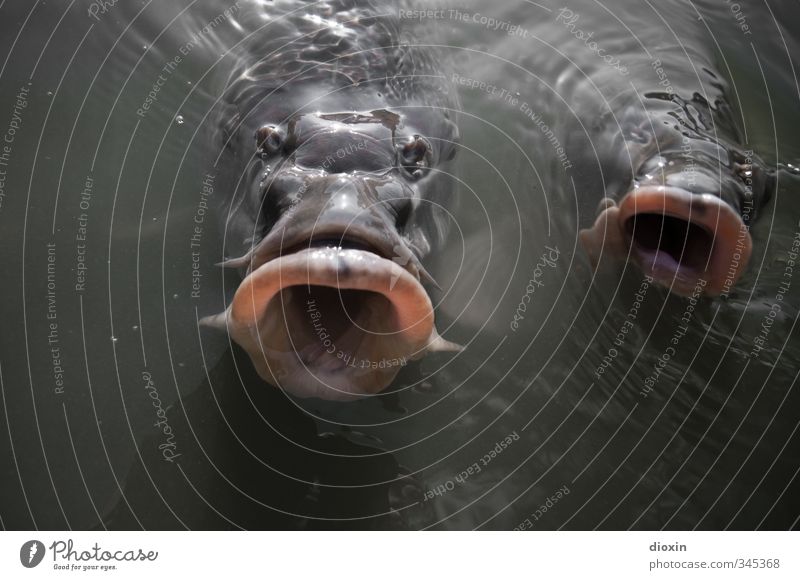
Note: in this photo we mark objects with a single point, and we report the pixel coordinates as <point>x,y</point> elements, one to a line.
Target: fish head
<point>685,222</point>
<point>342,208</point>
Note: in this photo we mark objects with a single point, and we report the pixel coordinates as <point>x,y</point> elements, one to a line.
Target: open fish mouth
<point>691,243</point>
<point>332,318</point>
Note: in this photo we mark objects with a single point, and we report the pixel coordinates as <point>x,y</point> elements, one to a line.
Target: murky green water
<point>118,410</point>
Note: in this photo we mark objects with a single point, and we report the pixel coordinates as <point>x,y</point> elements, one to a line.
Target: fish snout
<point>342,213</point>
<point>332,305</point>
<point>691,243</point>
<point>686,240</point>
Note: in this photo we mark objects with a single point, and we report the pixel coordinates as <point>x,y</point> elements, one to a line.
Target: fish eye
<point>269,140</point>
<point>415,156</point>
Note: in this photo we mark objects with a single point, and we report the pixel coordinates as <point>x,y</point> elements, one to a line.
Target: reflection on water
<point>583,398</point>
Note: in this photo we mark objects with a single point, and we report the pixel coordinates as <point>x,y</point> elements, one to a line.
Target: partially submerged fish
<point>683,216</point>
<point>337,129</point>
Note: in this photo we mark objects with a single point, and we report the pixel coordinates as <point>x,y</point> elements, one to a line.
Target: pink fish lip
<point>331,321</point>
<point>693,244</point>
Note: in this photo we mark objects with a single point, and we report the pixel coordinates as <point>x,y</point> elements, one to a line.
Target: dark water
<point>119,411</point>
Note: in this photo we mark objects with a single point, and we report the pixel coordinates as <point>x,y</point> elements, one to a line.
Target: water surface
<point>119,411</point>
